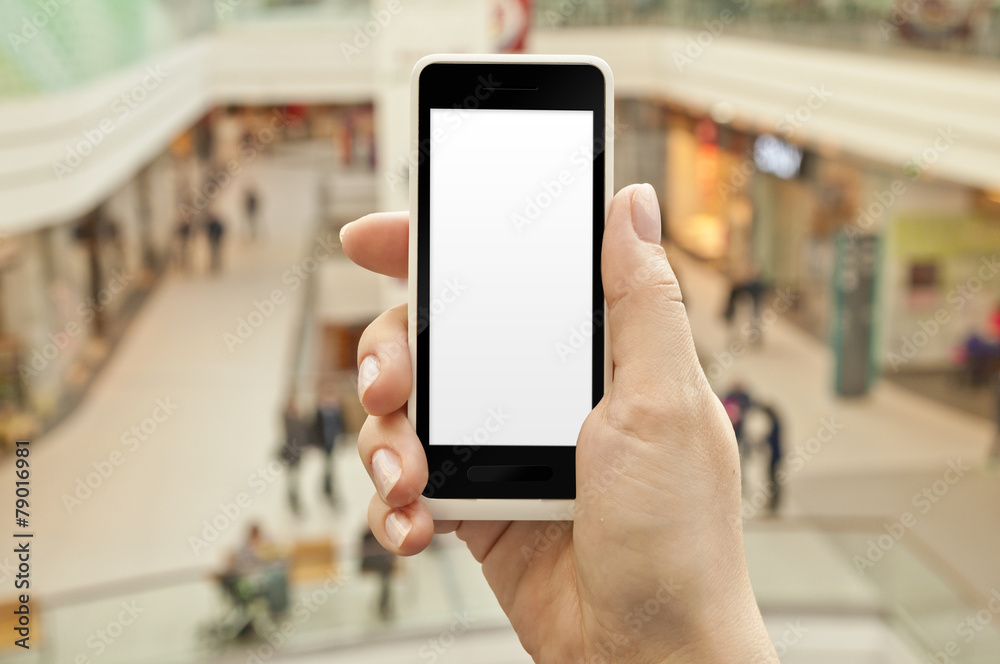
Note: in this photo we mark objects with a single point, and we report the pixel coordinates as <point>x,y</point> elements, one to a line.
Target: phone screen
<point>509,319</point>
<point>511,271</point>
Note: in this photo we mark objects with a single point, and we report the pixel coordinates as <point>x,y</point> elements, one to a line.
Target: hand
<point>652,569</point>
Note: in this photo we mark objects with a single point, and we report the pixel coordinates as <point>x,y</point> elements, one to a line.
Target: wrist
<point>723,628</point>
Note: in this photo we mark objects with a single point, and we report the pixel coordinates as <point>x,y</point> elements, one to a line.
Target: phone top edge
<point>512,58</point>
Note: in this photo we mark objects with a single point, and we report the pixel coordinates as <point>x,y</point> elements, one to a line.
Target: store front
<point>944,283</point>
<point>797,214</point>
<point>708,172</point>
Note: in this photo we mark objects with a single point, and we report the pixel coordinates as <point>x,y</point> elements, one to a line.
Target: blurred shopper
<point>296,440</point>
<point>183,243</point>
<point>330,425</point>
<point>774,442</point>
<point>744,274</point>
<point>993,457</point>
<point>250,204</point>
<point>227,130</point>
<point>981,358</point>
<point>216,230</point>
<point>256,582</point>
<point>993,321</point>
<point>749,287</point>
<point>254,552</point>
<point>737,402</point>
<point>375,559</point>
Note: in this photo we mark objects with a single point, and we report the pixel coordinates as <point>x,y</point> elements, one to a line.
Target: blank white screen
<point>511,260</point>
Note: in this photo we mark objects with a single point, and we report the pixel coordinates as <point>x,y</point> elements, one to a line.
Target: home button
<point>509,473</point>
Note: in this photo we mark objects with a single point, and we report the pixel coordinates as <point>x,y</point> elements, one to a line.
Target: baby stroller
<point>257,600</point>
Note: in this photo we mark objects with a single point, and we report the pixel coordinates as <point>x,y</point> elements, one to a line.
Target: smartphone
<point>510,183</point>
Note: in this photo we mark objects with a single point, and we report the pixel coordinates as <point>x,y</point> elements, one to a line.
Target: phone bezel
<point>505,85</point>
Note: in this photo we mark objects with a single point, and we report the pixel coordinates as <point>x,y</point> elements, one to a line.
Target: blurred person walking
<point>737,402</point>
<point>375,559</point>
<point>216,230</point>
<point>775,444</point>
<point>183,243</point>
<point>993,457</point>
<point>330,427</point>
<point>250,205</point>
<point>744,273</point>
<point>296,440</point>
<point>750,286</point>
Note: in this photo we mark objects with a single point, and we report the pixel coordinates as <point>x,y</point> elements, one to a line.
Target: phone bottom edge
<point>498,509</point>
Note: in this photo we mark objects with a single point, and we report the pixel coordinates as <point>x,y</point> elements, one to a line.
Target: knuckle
<point>656,281</point>
<point>681,411</point>
<point>386,335</point>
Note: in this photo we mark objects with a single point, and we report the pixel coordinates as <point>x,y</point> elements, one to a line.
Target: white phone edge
<point>498,509</point>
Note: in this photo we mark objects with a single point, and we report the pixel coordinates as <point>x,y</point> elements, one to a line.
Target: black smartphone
<point>509,191</point>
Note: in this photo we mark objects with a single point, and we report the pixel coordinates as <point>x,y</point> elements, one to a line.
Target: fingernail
<point>367,373</point>
<point>386,469</point>
<point>397,527</point>
<point>646,214</point>
<point>343,229</point>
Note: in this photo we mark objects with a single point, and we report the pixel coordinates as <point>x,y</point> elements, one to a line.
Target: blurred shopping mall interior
<point>173,297</point>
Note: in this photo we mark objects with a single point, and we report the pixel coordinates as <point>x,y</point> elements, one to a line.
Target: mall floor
<point>225,427</point>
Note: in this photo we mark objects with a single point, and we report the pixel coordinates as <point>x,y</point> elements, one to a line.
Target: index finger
<point>379,242</point>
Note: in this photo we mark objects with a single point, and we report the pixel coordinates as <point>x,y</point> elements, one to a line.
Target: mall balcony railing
<point>900,27</point>
<point>56,45</point>
<point>805,573</point>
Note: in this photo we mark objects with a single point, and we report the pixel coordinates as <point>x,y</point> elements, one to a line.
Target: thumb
<point>651,343</point>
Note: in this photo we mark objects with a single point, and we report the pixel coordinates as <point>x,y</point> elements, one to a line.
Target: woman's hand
<point>652,569</point>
